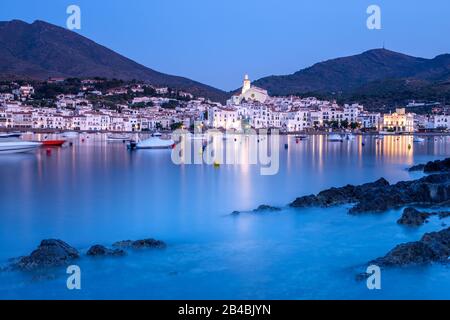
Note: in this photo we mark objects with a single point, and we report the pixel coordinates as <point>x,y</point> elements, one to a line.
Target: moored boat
<point>418,139</point>
<point>156,134</point>
<point>335,137</point>
<point>118,138</point>
<point>53,143</point>
<point>9,135</point>
<point>155,143</point>
<point>18,146</point>
<point>70,134</point>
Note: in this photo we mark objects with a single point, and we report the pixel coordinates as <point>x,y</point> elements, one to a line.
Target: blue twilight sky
<point>217,41</point>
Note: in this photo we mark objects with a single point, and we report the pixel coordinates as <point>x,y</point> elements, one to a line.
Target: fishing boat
<point>335,138</point>
<point>155,143</point>
<point>53,143</point>
<point>18,146</point>
<point>114,138</point>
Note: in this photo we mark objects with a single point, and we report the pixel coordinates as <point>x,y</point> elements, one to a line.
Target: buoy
<point>48,151</point>
<point>409,146</point>
<point>296,141</point>
<point>82,140</point>
<point>286,146</point>
<point>363,144</point>
<point>216,164</point>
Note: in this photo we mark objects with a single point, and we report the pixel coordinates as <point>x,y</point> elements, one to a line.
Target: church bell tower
<point>247,84</point>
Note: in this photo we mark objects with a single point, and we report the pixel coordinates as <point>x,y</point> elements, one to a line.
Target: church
<point>249,93</point>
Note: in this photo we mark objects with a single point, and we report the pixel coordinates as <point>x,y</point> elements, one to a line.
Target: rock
<point>266,208</point>
<point>50,253</point>
<point>338,196</point>
<point>444,214</point>
<point>429,190</point>
<point>362,276</point>
<point>101,251</point>
<point>433,166</point>
<point>418,167</point>
<point>407,254</point>
<point>235,213</point>
<point>433,247</point>
<point>437,166</point>
<point>413,217</point>
<point>140,244</point>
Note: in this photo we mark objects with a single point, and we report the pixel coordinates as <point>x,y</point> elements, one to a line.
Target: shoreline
<point>315,133</point>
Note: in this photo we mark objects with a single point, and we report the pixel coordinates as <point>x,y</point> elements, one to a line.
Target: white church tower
<point>247,84</point>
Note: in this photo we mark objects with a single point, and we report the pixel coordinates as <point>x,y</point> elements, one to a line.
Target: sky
<point>218,41</point>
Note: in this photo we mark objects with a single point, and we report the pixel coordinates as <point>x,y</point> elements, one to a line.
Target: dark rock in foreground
<point>433,166</point>
<point>50,253</point>
<point>140,244</point>
<point>433,247</point>
<point>413,217</point>
<point>101,251</point>
<point>266,208</point>
<point>380,196</point>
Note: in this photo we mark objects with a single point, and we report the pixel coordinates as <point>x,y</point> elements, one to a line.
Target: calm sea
<point>98,192</point>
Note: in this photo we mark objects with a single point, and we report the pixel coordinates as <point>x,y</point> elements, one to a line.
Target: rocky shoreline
<point>53,253</point>
<point>432,191</point>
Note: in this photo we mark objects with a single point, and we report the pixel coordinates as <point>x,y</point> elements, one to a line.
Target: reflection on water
<point>99,192</point>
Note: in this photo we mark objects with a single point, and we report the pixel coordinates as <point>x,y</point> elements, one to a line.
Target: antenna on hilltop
<point>384,47</point>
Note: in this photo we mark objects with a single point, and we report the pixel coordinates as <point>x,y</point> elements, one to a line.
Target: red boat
<point>53,143</point>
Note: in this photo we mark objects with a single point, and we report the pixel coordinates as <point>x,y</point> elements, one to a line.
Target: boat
<point>418,139</point>
<point>155,143</point>
<point>301,137</point>
<point>70,134</point>
<point>349,137</point>
<point>335,138</point>
<point>118,138</point>
<point>53,143</point>
<point>156,134</point>
<point>18,146</point>
<point>9,135</point>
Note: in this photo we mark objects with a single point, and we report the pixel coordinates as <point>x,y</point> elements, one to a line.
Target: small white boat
<point>349,137</point>
<point>156,134</point>
<point>418,139</point>
<point>301,137</point>
<point>18,146</point>
<point>9,135</point>
<point>335,138</point>
<point>118,138</point>
<point>70,134</point>
<point>155,143</point>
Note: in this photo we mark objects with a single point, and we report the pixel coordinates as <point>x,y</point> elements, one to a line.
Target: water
<point>97,192</point>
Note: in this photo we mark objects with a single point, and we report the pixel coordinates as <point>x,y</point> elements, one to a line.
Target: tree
<point>176,125</point>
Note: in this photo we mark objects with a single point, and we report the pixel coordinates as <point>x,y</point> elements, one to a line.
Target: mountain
<point>41,50</point>
<point>372,72</point>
